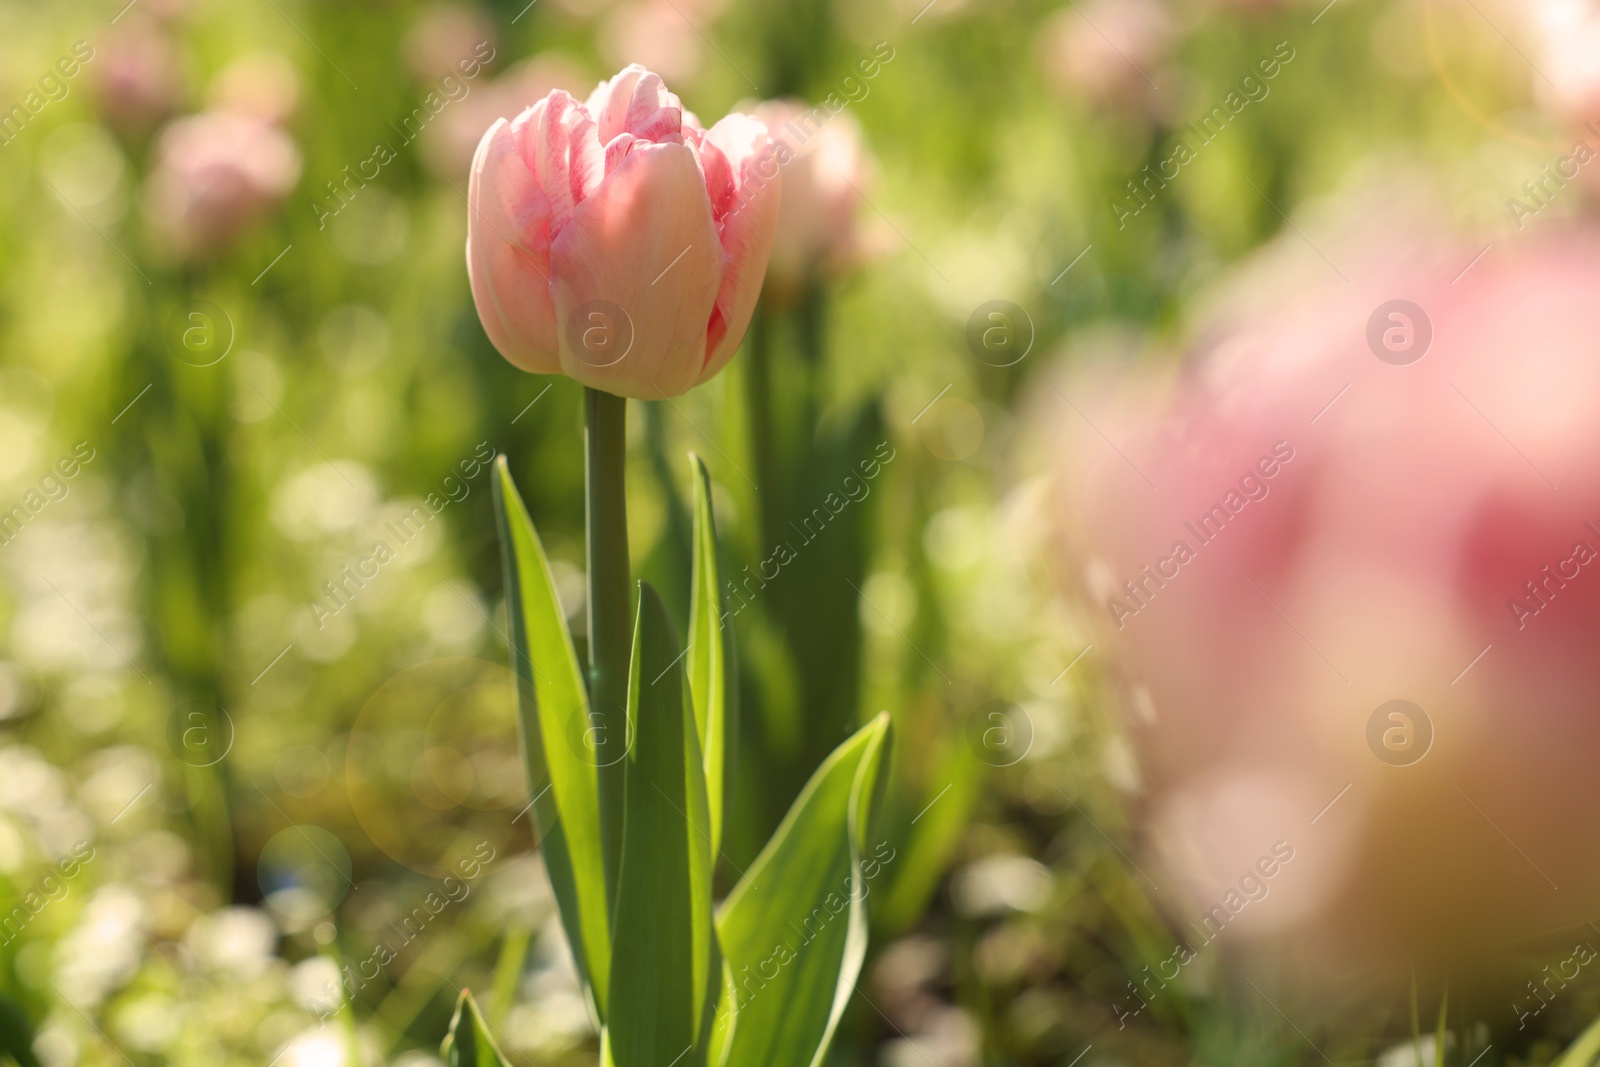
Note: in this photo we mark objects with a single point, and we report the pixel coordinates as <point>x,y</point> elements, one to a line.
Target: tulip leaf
<point>663,967</point>
<point>710,659</point>
<point>1583,1051</point>
<point>468,1043</point>
<point>795,927</point>
<point>562,776</point>
<point>725,1020</point>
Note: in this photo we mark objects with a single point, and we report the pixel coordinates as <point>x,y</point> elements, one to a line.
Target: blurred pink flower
<point>137,76</point>
<point>448,143</point>
<point>263,86</point>
<point>826,168</point>
<point>654,33</point>
<point>214,174</point>
<point>616,240</point>
<point>1344,501</point>
<point>1569,58</point>
<point>443,35</point>
<point>1109,51</point>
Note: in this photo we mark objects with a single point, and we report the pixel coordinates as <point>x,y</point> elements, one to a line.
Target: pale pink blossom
<point>655,33</point>
<point>1343,501</point>
<point>449,141</point>
<point>215,174</point>
<point>826,170</point>
<point>1108,51</point>
<point>620,219</point>
<point>443,36</point>
<point>137,76</point>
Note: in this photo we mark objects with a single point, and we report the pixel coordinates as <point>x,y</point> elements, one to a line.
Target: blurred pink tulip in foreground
<point>1362,493</point>
<point>617,241</point>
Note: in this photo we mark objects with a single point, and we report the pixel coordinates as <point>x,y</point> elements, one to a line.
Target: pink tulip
<point>443,36</point>
<point>617,241</point>
<point>825,165</point>
<point>138,76</point>
<point>655,32</point>
<point>1332,510</point>
<point>215,173</point>
<point>449,142</point>
<point>1107,50</point>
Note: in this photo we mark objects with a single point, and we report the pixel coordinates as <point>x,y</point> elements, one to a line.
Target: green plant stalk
<point>507,972</point>
<point>610,608</point>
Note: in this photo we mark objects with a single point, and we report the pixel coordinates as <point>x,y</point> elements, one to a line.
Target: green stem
<point>507,973</point>
<point>610,614</point>
<point>758,401</point>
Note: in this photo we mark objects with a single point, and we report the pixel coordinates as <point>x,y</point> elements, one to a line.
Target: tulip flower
<point>443,36</point>
<point>449,142</point>
<point>825,164</point>
<point>137,78</point>
<point>1358,494</point>
<point>655,32</point>
<point>1107,50</point>
<point>616,240</point>
<point>216,173</point>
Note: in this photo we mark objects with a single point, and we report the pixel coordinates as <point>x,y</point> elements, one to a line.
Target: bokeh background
<point>238,354</point>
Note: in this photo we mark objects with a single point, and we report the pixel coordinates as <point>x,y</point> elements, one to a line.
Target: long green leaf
<point>795,927</point>
<point>562,776</point>
<point>662,957</point>
<point>710,662</point>
<point>1582,1052</point>
<point>468,1044</point>
<point>725,1019</point>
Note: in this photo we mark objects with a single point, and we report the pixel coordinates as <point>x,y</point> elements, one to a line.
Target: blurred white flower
<point>997,884</point>
<point>949,1038</point>
<point>238,941</point>
<point>116,777</point>
<point>315,984</point>
<point>314,1048</point>
<point>325,499</point>
<point>104,949</point>
<point>72,585</point>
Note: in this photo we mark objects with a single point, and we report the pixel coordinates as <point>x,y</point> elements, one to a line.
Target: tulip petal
<point>743,182</point>
<point>508,254</point>
<point>645,242</point>
<point>637,102</point>
<point>559,144</point>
